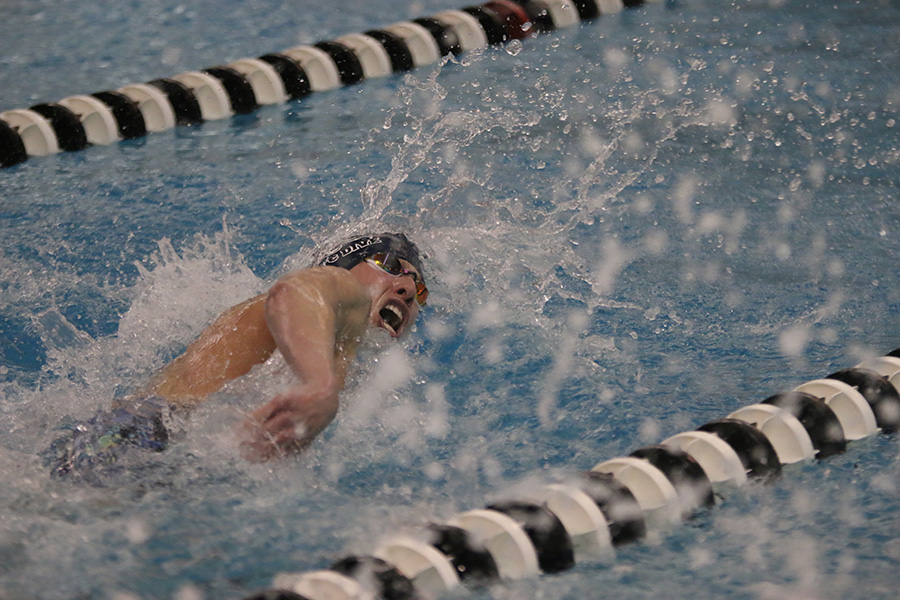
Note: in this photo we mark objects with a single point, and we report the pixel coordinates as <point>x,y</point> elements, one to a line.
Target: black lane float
<point>244,85</point>
<point>619,501</point>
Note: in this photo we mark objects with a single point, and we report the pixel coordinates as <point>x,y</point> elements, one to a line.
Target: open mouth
<point>391,317</point>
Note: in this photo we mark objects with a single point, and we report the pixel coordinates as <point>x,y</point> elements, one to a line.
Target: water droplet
<point>514,47</point>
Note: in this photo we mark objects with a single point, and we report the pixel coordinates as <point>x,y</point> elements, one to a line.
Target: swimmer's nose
<point>406,289</point>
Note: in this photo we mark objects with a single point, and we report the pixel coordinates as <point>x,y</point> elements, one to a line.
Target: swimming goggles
<point>390,263</point>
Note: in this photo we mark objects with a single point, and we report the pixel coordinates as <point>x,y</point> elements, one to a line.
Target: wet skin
<point>316,318</point>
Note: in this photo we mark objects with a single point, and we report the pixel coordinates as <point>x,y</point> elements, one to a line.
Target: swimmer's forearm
<point>310,316</point>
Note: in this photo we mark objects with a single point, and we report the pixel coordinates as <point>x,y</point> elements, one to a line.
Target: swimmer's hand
<point>288,423</point>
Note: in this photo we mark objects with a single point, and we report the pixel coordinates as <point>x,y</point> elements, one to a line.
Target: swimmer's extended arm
<point>316,317</point>
<point>238,340</point>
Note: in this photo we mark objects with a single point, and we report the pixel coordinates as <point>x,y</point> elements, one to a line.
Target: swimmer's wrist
<point>322,384</point>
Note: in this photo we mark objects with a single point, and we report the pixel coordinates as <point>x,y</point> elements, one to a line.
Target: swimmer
<point>314,317</point>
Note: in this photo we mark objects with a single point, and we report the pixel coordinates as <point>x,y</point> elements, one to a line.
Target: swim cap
<point>359,249</point>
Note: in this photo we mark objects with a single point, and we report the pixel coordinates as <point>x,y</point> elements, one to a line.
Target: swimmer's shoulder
<point>336,285</point>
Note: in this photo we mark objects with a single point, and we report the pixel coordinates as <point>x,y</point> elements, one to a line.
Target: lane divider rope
<point>618,501</point>
<point>242,86</point>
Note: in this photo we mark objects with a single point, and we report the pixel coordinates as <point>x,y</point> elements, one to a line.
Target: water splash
<point>621,245</point>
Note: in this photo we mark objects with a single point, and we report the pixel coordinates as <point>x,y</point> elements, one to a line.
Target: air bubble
<point>514,47</point>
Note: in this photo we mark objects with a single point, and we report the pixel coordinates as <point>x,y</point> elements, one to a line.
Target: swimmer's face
<point>394,306</point>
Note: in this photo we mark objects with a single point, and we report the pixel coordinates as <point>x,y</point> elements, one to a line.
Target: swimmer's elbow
<point>284,296</point>
<point>275,298</point>
<point>304,287</point>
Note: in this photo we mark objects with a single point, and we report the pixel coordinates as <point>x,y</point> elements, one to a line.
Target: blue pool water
<point>635,226</point>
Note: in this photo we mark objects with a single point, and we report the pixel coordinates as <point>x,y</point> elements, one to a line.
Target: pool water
<point>635,226</point>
